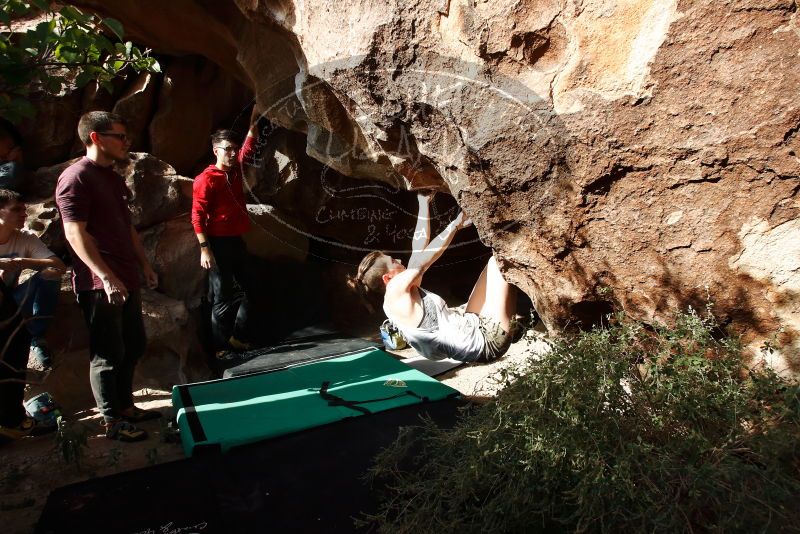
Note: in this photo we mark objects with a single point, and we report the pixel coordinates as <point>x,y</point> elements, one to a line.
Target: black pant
<point>230,282</point>
<point>116,342</point>
<point>14,362</point>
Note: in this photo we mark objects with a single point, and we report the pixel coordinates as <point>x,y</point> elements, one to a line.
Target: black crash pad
<point>296,351</point>
<point>311,481</point>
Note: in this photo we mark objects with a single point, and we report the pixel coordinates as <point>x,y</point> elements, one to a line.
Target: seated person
<point>11,170</point>
<point>20,250</point>
<point>483,332</point>
<point>15,423</point>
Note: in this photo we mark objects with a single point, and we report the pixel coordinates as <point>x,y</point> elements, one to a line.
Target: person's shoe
<point>41,352</point>
<point>121,430</point>
<point>12,433</point>
<point>135,414</point>
<point>227,356</point>
<point>518,328</point>
<point>28,427</point>
<point>238,345</point>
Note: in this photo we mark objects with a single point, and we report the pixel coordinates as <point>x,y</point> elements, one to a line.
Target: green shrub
<point>621,429</point>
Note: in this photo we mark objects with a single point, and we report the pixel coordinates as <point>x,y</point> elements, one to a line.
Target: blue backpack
<point>44,409</point>
<point>392,337</point>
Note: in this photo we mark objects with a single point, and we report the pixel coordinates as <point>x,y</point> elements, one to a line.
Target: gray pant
<point>116,342</point>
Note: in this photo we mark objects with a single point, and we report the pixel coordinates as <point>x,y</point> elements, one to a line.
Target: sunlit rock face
<point>637,155</point>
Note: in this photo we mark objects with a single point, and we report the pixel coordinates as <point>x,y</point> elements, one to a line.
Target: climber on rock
<point>482,332</point>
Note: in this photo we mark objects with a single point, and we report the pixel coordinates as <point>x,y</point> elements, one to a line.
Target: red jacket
<point>218,205</point>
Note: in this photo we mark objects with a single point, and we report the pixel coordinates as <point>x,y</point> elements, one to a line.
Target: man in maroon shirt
<point>107,255</point>
<point>219,217</point>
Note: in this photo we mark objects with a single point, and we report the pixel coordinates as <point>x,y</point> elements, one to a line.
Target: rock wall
<point>639,155</point>
<point>171,115</point>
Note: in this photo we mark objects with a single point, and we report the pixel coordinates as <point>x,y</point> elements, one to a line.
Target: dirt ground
<point>34,466</point>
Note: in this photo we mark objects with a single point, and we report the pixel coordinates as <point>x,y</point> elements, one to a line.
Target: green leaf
<point>83,78</point>
<point>102,42</point>
<point>54,84</point>
<point>92,54</point>
<point>72,37</point>
<point>43,29</point>
<point>107,85</point>
<point>75,15</point>
<point>115,26</point>
<point>67,54</point>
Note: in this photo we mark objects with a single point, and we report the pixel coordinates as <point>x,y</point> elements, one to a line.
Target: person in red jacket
<point>219,218</point>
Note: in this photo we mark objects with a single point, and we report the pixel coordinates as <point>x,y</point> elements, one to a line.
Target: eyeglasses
<point>121,136</point>
<point>229,149</point>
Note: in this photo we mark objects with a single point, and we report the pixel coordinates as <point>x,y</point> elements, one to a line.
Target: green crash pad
<point>221,414</point>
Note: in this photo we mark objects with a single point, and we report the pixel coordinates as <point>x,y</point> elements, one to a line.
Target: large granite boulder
<point>44,221</point>
<point>273,236</point>
<point>51,134</point>
<point>174,354</point>
<point>173,252</point>
<point>42,182</point>
<point>137,104</point>
<point>159,194</point>
<point>196,98</point>
<point>637,155</point>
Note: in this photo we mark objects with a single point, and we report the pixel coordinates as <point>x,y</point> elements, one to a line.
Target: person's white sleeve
<point>34,248</point>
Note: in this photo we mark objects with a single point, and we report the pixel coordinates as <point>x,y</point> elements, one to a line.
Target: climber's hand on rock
<point>462,221</point>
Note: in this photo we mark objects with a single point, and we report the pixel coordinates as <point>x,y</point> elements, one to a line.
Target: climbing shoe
<point>41,353</point>
<point>124,431</point>
<point>228,356</point>
<point>238,345</point>
<point>28,427</point>
<point>517,331</point>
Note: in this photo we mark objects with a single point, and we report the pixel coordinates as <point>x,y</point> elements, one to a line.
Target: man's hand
<point>206,258</point>
<point>116,292</point>
<point>51,273</point>
<point>150,277</point>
